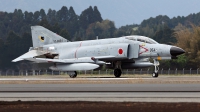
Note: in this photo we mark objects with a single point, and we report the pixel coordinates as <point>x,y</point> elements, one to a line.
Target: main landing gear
<point>72,74</point>
<point>117,72</point>
<point>156,64</point>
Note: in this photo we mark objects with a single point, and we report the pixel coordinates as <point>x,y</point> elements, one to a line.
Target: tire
<point>73,75</point>
<point>154,75</point>
<point>117,72</point>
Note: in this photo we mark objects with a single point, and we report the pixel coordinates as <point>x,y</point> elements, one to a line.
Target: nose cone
<point>174,51</point>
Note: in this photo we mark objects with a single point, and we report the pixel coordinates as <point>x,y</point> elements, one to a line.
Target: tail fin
<point>42,36</point>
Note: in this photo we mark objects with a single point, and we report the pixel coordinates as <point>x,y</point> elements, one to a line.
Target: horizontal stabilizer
<point>29,54</point>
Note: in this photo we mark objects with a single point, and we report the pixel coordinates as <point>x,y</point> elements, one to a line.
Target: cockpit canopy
<point>141,39</point>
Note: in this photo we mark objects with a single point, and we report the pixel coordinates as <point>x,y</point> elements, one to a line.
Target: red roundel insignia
<point>120,51</point>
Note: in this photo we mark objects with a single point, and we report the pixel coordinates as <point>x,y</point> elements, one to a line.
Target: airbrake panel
<point>133,50</point>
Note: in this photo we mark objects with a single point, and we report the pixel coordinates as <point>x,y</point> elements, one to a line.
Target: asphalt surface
<point>100,88</point>
<point>101,92</point>
<point>103,96</point>
<point>164,89</point>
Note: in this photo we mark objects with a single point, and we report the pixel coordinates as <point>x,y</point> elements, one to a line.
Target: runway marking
<point>103,94</point>
<point>64,79</point>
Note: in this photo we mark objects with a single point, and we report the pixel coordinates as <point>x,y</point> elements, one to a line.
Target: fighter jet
<point>127,52</point>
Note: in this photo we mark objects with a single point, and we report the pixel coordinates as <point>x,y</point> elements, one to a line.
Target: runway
<point>100,88</point>
<point>164,89</point>
<point>103,96</point>
<point>101,92</point>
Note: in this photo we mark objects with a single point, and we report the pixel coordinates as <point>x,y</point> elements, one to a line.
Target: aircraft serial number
<point>56,41</point>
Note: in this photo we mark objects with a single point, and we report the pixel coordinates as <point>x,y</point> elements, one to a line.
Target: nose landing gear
<point>156,64</point>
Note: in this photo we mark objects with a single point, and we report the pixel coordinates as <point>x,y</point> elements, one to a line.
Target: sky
<point>122,12</point>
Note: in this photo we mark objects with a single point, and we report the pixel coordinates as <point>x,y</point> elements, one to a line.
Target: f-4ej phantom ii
<point>127,52</point>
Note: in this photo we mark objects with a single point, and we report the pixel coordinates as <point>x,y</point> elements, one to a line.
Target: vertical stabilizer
<point>42,36</point>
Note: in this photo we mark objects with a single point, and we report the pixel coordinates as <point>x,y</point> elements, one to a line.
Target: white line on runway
<point>101,95</point>
<point>64,79</point>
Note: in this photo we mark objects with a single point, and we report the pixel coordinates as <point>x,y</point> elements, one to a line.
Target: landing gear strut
<point>117,72</point>
<point>73,74</point>
<point>156,64</point>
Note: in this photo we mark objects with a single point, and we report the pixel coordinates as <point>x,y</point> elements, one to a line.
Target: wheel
<point>117,72</point>
<point>155,75</point>
<point>73,74</point>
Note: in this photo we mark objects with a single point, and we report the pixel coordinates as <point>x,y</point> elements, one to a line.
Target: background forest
<point>15,32</point>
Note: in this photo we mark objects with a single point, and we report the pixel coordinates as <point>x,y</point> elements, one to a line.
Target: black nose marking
<point>174,51</point>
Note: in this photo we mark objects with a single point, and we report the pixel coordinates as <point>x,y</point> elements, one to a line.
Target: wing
<point>33,53</point>
<point>73,60</point>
